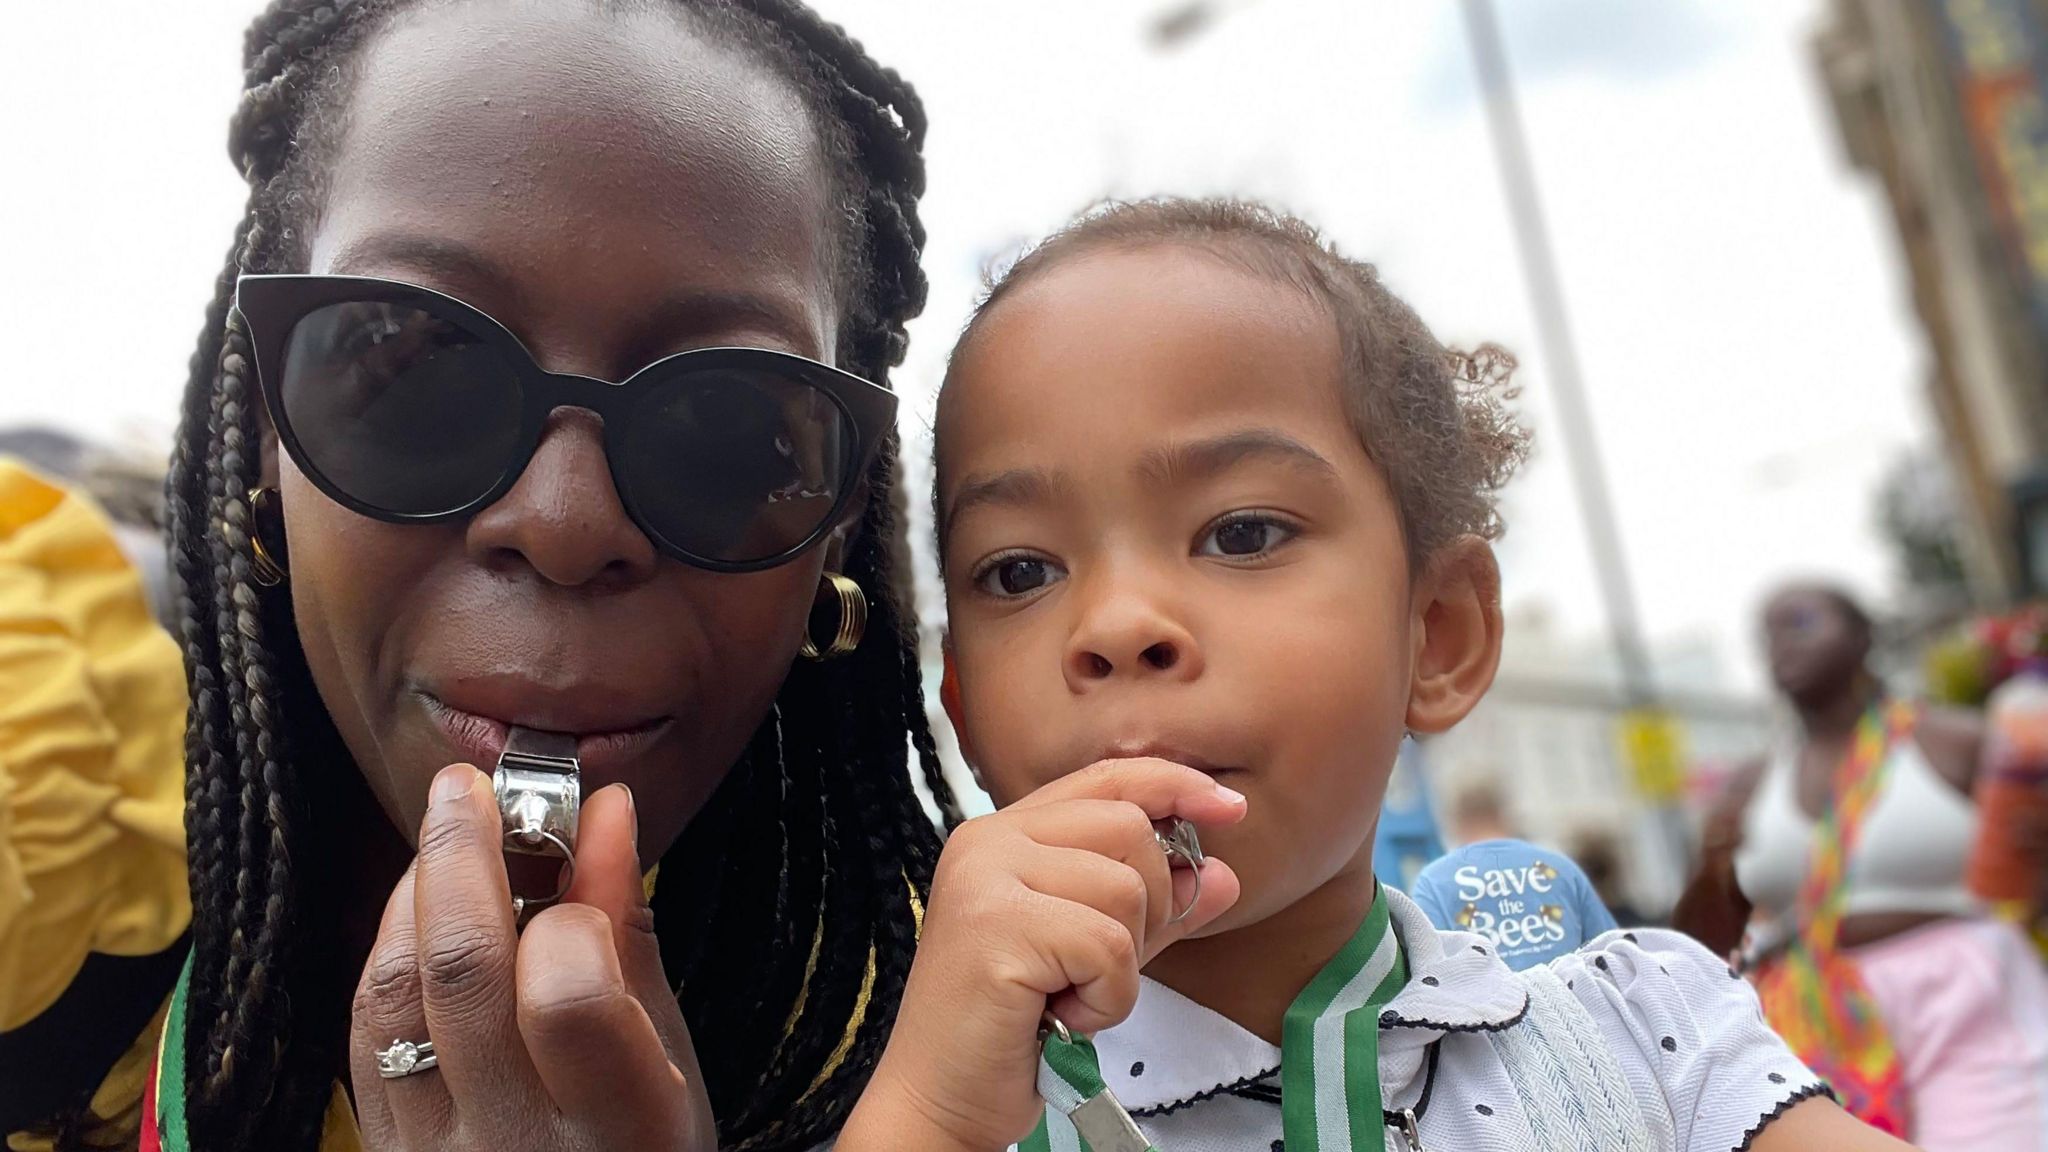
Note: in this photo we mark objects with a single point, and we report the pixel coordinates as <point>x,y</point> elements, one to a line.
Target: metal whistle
<point>1183,849</point>
<point>1181,844</point>
<point>539,785</point>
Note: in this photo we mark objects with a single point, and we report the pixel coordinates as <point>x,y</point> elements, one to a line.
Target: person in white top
<point>1960,1059</point>
<point>1214,513</point>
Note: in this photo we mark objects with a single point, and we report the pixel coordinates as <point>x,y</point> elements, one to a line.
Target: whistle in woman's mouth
<point>539,785</point>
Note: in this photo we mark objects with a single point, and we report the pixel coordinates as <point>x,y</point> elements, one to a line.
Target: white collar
<point>1173,1052</point>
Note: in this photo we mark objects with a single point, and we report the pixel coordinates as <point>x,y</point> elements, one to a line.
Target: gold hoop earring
<point>264,568</point>
<point>853,619</point>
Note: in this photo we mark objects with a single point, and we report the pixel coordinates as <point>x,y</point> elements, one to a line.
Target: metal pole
<point>1561,357</point>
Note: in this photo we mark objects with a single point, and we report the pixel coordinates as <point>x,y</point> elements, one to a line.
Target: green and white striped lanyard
<point>1329,1064</point>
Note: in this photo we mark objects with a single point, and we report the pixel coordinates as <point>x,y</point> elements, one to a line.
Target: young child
<point>1214,511</point>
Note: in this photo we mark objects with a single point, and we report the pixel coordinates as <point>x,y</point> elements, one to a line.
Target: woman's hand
<point>564,1037</point>
<point>1054,902</point>
<point>1713,908</point>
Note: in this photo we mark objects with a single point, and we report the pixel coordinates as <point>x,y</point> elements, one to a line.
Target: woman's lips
<point>481,739</point>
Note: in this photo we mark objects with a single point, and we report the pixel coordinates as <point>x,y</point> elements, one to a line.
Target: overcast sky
<point>1736,293</point>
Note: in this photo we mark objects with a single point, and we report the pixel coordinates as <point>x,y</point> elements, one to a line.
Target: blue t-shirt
<point>1534,904</point>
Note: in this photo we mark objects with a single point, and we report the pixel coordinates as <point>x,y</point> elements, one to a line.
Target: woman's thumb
<point>609,878</point>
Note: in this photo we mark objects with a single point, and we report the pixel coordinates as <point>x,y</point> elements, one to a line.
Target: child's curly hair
<point>1436,421</point>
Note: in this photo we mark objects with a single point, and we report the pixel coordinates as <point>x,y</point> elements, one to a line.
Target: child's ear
<point>949,698</point>
<point>1457,634</point>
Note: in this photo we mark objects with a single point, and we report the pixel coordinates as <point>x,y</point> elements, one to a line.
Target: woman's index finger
<point>467,938</point>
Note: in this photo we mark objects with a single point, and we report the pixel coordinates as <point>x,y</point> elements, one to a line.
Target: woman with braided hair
<point>411,512</point>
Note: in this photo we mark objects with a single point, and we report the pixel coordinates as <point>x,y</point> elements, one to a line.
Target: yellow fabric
<point>339,1132</point>
<point>92,723</point>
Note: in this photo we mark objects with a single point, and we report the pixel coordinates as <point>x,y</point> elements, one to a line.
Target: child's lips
<point>1169,752</point>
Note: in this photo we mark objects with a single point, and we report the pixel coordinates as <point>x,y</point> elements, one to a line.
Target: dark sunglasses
<point>409,406</point>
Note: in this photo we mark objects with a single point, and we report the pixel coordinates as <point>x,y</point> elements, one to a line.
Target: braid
<point>240,815</point>
<point>733,993</point>
<point>879,846</point>
<point>914,717</point>
<point>903,843</point>
<point>885,124</point>
<point>263,883</point>
<point>239,845</point>
<point>789,899</point>
<point>193,579</point>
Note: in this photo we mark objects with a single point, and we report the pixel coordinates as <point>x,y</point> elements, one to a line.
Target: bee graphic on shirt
<point>1507,919</point>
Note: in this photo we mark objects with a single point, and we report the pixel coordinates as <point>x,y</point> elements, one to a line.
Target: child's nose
<point>1129,637</point>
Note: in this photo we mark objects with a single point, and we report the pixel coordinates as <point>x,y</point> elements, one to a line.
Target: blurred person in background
<point>1998,664</point>
<point>1479,813</point>
<point>127,485</point>
<point>1848,844</point>
<point>1599,856</point>
<point>93,898</point>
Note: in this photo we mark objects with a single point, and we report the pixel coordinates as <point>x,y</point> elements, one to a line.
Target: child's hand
<point>1054,902</point>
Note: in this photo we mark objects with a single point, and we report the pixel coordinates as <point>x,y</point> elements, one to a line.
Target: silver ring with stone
<point>405,1058</point>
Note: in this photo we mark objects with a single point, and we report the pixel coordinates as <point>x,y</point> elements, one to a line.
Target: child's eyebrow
<point>1194,460</point>
<point>1200,459</point>
<point>1014,487</point>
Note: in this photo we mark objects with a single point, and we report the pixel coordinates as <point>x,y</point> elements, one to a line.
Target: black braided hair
<point>806,872</point>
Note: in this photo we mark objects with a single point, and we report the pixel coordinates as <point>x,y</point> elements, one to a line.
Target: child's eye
<point>1242,534</point>
<point>1017,575</point>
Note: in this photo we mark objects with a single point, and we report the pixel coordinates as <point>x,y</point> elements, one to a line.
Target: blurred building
<point>1547,740</point>
<point>1943,101</point>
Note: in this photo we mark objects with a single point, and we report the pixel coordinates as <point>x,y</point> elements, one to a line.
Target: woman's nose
<point>563,519</point>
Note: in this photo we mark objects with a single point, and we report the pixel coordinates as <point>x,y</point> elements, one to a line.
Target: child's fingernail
<point>1229,795</point>
<point>453,783</point>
